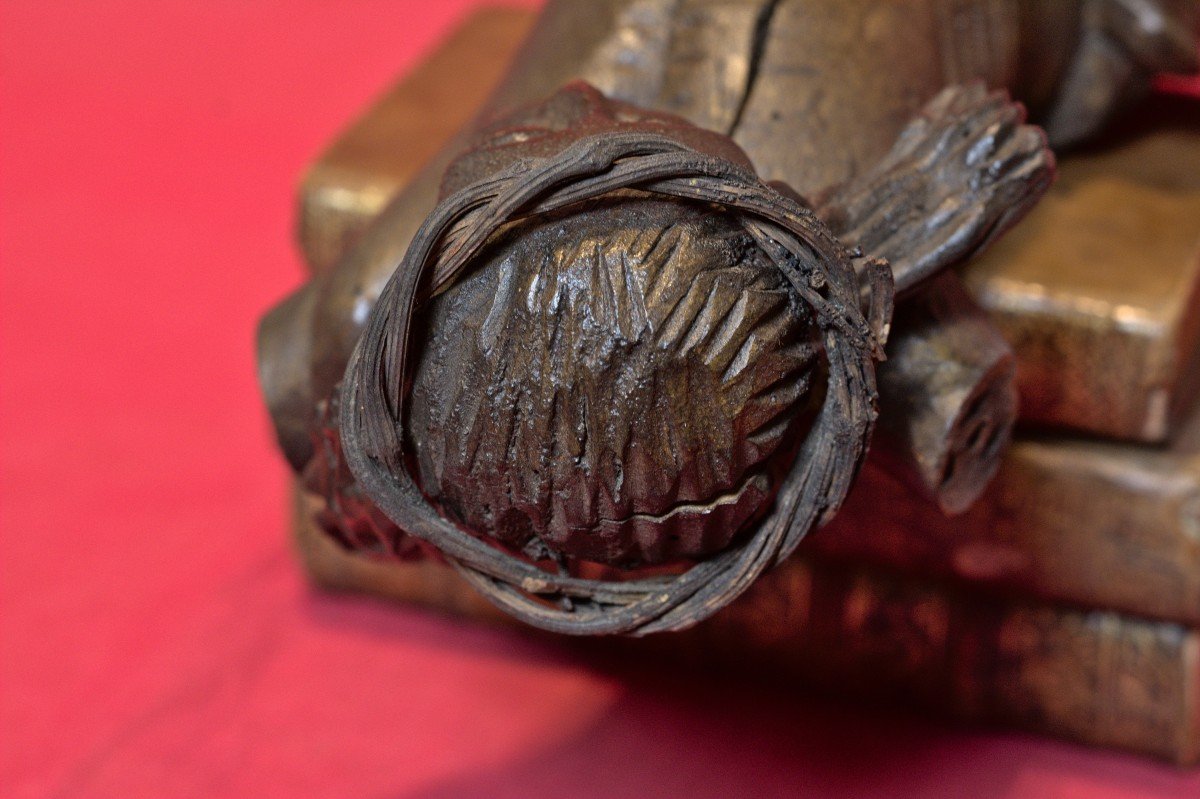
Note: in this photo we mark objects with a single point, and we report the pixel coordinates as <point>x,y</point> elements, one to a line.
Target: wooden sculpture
<point>624,366</point>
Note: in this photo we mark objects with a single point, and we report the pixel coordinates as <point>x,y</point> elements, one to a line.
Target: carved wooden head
<point>594,350</point>
<point>611,383</point>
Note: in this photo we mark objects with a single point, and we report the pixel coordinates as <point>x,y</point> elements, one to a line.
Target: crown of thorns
<point>816,265</point>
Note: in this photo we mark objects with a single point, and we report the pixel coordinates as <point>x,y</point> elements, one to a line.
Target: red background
<point>157,638</point>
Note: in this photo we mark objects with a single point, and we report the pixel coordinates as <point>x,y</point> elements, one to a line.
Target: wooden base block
<point>1099,678</point>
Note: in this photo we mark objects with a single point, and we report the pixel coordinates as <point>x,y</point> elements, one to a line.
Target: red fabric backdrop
<point>157,638</point>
